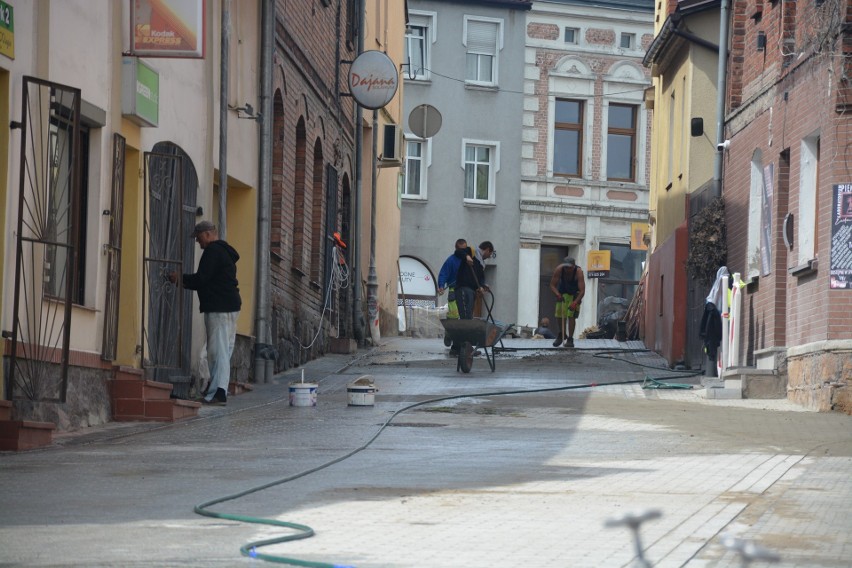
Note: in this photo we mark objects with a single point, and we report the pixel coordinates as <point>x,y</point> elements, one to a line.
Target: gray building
<point>466,59</point>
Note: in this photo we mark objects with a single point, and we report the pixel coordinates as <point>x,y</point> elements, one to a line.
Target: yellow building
<point>683,59</point>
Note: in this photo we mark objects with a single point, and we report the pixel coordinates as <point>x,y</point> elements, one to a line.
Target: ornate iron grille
<point>46,240</point>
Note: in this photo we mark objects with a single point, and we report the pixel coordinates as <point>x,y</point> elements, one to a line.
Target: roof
<point>670,32</point>
<point>636,5</point>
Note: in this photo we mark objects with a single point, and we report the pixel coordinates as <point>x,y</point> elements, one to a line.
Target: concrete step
<point>140,389</point>
<point>757,383</point>
<point>170,410</point>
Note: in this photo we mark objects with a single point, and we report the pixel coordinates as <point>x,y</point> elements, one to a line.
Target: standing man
<point>470,281</point>
<point>219,301</point>
<point>483,253</point>
<point>569,286</point>
<point>447,277</point>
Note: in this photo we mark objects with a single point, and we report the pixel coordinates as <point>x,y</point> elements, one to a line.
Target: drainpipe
<point>223,119</point>
<point>264,352</point>
<point>357,311</point>
<point>721,85</point>
<point>372,277</point>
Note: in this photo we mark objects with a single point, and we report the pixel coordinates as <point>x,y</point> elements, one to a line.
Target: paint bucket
<point>303,394</point>
<point>362,392</point>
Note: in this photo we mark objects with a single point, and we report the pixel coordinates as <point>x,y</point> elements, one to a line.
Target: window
<point>755,207</point>
<point>625,270</point>
<point>419,36</point>
<point>415,52</point>
<point>572,35</point>
<point>480,161</point>
<point>481,39</point>
<point>621,143</point>
<point>60,217</point>
<point>628,41</point>
<point>568,138</point>
<point>808,204</point>
<point>415,169</point>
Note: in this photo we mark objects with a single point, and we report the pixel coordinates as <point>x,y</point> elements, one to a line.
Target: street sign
<point>424,121</point>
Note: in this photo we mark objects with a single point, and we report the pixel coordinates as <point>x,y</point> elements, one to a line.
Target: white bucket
<point>362,392</point>
<point>303,394</point>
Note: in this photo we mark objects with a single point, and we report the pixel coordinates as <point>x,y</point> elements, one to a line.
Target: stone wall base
<point>821,380</point>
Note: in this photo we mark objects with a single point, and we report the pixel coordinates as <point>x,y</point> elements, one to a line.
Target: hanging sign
<point>167,28</point>
<point>373,79</point>
<point>637,236</point>
<point>840,265</point>
<point>598,265</point>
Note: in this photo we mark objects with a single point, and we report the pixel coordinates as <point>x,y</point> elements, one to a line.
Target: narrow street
<point>483,480</point>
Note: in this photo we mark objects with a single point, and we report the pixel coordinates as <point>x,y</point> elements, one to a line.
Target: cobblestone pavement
<point>481,480</point>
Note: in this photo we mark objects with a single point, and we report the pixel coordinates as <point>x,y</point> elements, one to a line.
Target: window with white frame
<point>572,35</point>
<point>483,41</point>
<point>568,138</point>
<point>480,161</point>
<point>808,203</point>
<point>419,36</point>
<point>416,165</point>
<point>621,142</point>
<point>628,41</point>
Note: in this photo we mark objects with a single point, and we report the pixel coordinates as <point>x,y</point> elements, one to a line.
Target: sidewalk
<point>484,481</point>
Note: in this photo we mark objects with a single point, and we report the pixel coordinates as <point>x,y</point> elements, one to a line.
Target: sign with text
<point>598,265</point>
<point>373,79</point>
<point>140,92</point>
<point>7,30</point>
<point>840,265</point>
<point>167,28</point>
<point>415,278</point>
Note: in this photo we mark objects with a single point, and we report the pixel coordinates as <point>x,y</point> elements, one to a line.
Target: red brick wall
<point>543,31</point>
<point>777,98</point>
<point>311,124</point>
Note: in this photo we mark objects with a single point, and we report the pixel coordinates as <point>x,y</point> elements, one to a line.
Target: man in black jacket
<point>219,301</point>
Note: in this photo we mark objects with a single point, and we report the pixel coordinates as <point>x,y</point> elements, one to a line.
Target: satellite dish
<point>424,121</point>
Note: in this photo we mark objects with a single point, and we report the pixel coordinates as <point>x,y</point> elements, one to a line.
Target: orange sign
<point>598,265</point>
<point>168,28</point>
<point>637,236</point>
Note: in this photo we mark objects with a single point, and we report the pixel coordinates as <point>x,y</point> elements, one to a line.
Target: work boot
<point>558,341</point>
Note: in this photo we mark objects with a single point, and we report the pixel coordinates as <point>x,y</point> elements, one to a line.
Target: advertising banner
<point>840,266</point>
<point>167,28</point>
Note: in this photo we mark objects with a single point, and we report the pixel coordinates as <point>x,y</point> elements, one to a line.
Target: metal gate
<point>46,240</point>
<point>167,319</point>
<point>113,250</point>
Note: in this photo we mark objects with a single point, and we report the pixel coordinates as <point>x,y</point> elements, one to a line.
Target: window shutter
<point>482,37</point>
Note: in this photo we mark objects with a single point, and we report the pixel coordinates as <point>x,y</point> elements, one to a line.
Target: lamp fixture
<point>246,111</point>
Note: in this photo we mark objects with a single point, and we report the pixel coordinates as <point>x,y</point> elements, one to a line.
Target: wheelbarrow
<point>473,334</point>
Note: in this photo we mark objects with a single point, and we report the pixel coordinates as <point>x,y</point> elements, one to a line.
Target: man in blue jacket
<point>219,301</point>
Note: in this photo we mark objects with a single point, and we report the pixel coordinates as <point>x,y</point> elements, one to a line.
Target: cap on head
<point>569,260</point>
<point>202,227</point>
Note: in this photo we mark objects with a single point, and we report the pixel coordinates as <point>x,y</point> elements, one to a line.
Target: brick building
<point>314,175</point>
<point>787,192</point>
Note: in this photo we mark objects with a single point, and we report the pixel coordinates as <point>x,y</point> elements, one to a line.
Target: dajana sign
<point>373,79</point>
